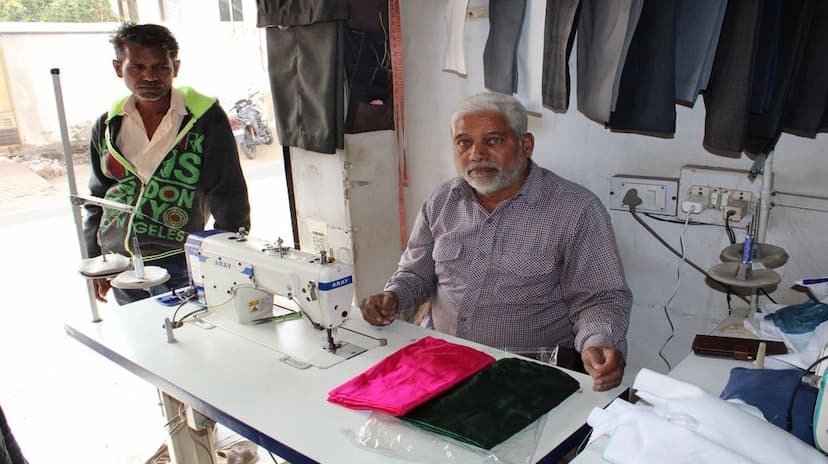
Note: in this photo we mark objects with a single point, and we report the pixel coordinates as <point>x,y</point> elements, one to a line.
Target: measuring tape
<point>399,110</point>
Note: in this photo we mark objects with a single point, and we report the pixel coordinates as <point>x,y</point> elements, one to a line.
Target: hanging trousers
<point>500,52</point>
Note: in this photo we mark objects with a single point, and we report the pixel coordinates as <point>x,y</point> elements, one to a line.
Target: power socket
<point>695,204</point>
<point>735,210</point>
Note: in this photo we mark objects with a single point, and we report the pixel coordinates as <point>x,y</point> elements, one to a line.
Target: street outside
<point>64,402</point>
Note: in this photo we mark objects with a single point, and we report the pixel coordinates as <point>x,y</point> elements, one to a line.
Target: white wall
<point>583,151</point>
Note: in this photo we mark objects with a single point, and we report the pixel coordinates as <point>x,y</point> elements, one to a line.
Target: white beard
<point>486,186</point>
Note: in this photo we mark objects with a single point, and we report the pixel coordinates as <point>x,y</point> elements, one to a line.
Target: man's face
<point>147,71</point>
<point>488,153</point>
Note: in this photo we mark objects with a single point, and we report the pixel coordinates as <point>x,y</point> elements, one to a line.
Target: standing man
<point>510,254</point>
<point>170,153</point>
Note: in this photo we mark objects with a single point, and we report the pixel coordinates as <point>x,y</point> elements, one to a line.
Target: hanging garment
<point>411,376</point>
<point>368,68</point>
<point>305,54</point>
<point>605,30</point>
<point>498,402</point>
<point>727,98</point>
<point>561,16</point>
<point>698,24</point>
<point>791,26</point>
<point>500,52</point>
<point>646,101</point>
<point>530,57</point>
<point>809,90</point>
<point>454,59</point>
<point>766,61</point>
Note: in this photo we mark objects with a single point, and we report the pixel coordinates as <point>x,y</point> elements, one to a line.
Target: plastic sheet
<point>389,436</point>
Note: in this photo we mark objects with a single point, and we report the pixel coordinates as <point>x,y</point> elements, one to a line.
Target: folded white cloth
<point>639,435</point>
<point>714,430</point>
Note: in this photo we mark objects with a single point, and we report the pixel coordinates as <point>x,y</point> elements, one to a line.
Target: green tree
<point>65,11</point>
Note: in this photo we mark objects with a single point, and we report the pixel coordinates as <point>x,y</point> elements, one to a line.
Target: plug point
<point>735,210</point>
<point>694,204</point>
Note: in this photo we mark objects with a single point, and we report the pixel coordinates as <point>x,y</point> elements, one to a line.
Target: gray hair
<point>506,105</point>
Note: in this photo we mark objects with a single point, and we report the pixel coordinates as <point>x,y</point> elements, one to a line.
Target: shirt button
<point>463,319</point>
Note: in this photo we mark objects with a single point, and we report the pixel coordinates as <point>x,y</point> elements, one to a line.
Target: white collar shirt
<point>143,153</point>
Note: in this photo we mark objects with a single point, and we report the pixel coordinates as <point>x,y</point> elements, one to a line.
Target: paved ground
<point>65,403</point>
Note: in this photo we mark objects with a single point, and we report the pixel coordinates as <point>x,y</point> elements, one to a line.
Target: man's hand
<point>605,365</point>
<point>101,286</point>
<point>380,309</point>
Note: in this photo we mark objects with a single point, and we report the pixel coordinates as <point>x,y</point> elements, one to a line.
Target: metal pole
<point>765,199</point>
<point>73,190</point>
<point>764,210</point>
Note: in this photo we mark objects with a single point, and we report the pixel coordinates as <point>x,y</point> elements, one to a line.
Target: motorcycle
<point>249,128</point>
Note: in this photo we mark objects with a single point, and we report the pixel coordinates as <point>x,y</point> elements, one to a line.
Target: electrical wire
<point>661,219</point>
<point>661,240</point>
<point>789,414</point>
<point>730,234</point>
<point>673,295</point>
<point>664,242</point>
<point>768,295</point>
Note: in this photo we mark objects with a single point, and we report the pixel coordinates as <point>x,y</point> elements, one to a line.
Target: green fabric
<point>495,403</point>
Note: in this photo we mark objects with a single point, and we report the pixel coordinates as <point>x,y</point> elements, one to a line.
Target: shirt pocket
<point>446,255</point>
<point>527,278</point>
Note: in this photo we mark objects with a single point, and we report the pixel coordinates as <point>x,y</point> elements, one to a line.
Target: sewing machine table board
<point>243,385</point>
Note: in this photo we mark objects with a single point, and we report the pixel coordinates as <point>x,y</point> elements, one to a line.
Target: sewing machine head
<point>233,272</point>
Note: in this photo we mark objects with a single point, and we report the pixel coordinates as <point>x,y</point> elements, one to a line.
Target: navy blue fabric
<point>770,390</point>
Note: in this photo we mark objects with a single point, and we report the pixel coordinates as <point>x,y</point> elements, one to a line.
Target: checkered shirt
<point>541,270</point>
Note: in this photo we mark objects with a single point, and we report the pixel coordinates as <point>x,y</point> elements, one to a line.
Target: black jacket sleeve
<point>224,185</point>
<point>98,185</point>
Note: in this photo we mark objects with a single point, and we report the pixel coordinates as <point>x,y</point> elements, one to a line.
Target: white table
<point>241,383</point>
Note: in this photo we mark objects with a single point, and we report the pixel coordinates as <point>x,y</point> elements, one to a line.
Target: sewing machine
<point>232,272</point>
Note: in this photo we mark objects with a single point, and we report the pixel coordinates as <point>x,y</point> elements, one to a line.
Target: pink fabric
<point>413,375</point>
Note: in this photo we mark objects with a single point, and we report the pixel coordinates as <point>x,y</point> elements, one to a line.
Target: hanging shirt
<point>454,59</point>
<point>145,153</point>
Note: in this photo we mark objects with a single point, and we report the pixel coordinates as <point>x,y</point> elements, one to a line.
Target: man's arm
<point>597,295</point>
<point>224,182</point>
<point>98,185</point>
<point>413,282</point>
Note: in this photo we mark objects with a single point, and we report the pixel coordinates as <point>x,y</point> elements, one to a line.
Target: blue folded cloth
<point>800,318</point>
<point>770,390</point>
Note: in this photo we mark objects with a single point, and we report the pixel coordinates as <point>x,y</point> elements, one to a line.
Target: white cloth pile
<point>682,423</point>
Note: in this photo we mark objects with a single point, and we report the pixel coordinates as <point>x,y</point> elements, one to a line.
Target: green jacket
<point>200,175</point>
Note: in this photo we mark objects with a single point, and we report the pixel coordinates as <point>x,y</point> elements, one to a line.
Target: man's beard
<point>492,184</point>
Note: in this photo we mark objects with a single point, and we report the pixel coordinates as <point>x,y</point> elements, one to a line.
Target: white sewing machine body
<point>232,270</point>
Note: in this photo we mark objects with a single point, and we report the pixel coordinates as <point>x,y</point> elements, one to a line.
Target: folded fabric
<point>411,376</point>
<point>496,403</point>
<point>800,318</point>
<point>770,390</point>
<point>639,435</point>
<point>738,427</point>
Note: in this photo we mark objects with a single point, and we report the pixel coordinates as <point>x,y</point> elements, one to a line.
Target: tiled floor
<point>65,403</point>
